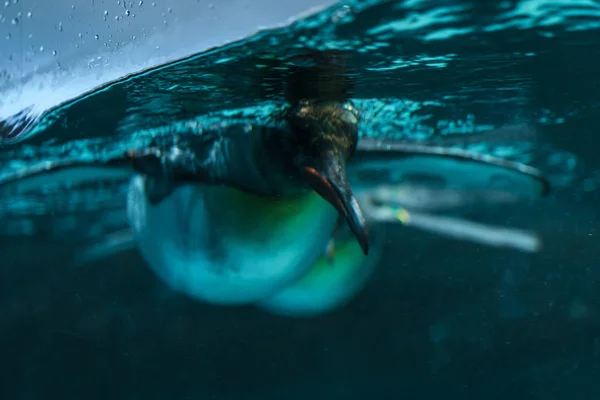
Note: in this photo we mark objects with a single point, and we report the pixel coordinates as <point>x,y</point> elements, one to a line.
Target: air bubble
<point>127,12</point>
<point>41,49</point>
<point>141,3</point>
<point>54,52</point>
<point>96,37</point>
<point>29,14</point>
<point>15,21</point>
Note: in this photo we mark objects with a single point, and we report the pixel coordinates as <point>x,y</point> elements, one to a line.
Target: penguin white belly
<point>329,284</point>
<point>225,246</point>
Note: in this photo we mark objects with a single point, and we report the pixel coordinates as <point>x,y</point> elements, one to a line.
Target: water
<point>438,318</point>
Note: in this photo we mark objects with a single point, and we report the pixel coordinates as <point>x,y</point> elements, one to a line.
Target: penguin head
<point>323,137</point>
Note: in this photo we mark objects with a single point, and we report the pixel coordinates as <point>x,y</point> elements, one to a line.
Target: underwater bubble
<point>29,14</point>
<point>96,37</point>
<point>15,21</point>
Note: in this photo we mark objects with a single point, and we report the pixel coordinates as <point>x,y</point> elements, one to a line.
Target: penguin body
<point>226,246</point>
<point>331,282</point>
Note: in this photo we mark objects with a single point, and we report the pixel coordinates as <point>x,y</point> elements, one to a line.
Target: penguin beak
<point>330,182</point>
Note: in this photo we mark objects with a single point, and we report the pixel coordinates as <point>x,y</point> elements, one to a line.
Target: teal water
<point>439,317</point>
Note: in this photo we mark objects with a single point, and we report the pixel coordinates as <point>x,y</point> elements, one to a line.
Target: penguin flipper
<point>57,170</point>
<point>454,167</point>
<point>458,228</point>
<point>150,162</point>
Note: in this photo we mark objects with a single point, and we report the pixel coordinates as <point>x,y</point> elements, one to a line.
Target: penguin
<point>244,217</point>
<point>236,215</point>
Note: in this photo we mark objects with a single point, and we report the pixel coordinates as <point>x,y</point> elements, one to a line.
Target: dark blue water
<point>439,317</point>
